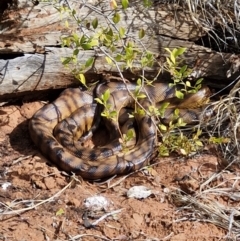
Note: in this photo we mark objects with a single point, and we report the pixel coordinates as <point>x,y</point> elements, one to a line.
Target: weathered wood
<point>35,31</point>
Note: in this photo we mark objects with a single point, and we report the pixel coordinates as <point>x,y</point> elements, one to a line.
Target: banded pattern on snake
<point>57,128</point>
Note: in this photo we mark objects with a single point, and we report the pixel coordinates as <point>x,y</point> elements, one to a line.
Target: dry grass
<point>220,19</point>
<point>202,208</point>
<point>216,200</point>
<point>225,123</point>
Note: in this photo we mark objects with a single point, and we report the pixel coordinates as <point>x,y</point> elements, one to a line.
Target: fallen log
<point>30,47</point>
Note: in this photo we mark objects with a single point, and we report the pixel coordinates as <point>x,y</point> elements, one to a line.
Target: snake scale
<point>57,128</point>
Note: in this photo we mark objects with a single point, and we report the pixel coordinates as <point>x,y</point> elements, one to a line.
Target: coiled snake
<point>75,113</point>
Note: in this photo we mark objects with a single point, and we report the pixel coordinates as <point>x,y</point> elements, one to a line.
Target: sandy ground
<point>42,203</point>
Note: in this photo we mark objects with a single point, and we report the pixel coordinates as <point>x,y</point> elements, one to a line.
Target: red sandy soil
<point>33,179</point>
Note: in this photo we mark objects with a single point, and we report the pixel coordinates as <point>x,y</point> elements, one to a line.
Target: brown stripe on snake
<point>73,114</point>
<point>68,133</point>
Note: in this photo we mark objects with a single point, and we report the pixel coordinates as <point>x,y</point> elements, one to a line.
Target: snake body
<point>57,128</point>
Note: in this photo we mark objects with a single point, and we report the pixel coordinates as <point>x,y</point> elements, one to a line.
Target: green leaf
<point>113,113</point>
<point>104,114</point>
<point>172,57</point>
<point>169,62</point>
<point>176,112</point>
<point>109,61</point>
<point>199,81</point>
<point>130,134</point>
<point>129,51</point>
<point>164,105</point>
<point>122,32</point>
<point>66,60</point>
<point>139,82</point>
<point>199,132</point>
<point>86,46</point>
<point>113,48</point>
<point>163,127</point>
<point>147,3</point>
<point>99,101</point>
<point>130,44</point>
<point>192,91</point>
<point>141,33</point>
<point>110,32</point>
<point>179,51</point>
<point>180,121</point>
<point>125,4</point>
<point>152,109</point>
<point>94,42</point>
<point>106,95</point>
<point>82,79</point>
<point>118,57</point>
<point>183,69</point>
<point>179,94</point>
<point>60,212</point>
<point>75,52</point>
<point>73,12</point>
<point>168,50</point>
<point>198,143</point>
<point>116,18</point>
<point>141,96</point>
<point>95,23</point>
<point>140,111</point>
<point>82,40</point>
<point>89,62</point>
<point>89,45</point>
<point>66,24</point>
<point>76,37</point>
<point>188,83</point>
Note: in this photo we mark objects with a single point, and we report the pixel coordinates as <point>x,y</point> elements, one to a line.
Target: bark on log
<point>30,48</point>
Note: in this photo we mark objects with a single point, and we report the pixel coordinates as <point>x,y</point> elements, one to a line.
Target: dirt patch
<point>39,202</point>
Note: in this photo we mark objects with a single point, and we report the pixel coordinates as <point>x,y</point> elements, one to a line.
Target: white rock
<point>139,192</point>
<point>97,203</point>
<point>5,185</point>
